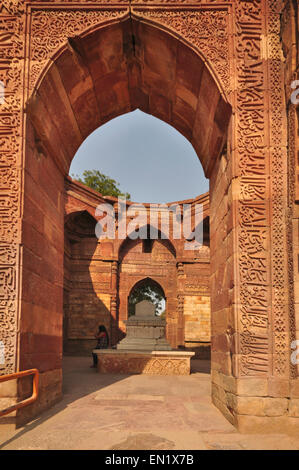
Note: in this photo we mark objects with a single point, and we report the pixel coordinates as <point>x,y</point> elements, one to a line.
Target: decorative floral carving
<point>206,30</point>
<point>279,187</point>
<point>14,7</point>
<point>11,116</point>
<point>144,365</point>
<point>51,28</point>
<point>253,233</point>
<point>290,242</point>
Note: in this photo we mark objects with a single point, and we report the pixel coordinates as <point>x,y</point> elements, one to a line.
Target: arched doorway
<point>150,290</point>
<point>98,66</point>
<point>83,309</point>
<point>99,75</point>
<point>149,262</point>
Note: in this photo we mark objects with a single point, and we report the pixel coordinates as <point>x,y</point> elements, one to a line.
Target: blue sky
<point>147,157</point>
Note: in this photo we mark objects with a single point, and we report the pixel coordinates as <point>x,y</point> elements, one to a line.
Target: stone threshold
<point>149,353</point>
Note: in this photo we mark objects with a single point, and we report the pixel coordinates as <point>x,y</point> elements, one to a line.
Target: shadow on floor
<point>202,366</point>
<point>79,380</point>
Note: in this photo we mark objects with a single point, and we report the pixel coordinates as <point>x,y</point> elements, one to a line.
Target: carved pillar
<point>240,42</point>
<point>290,47</point>
<point>12,25</point>
<point>251,193</point>
<point>180,305</point>
<point>240,257</point>
<point>114,304</point>
<point>278,164</point>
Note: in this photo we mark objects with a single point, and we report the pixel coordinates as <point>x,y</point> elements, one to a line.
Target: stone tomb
<point>144,350</point>
<point>145,330</point>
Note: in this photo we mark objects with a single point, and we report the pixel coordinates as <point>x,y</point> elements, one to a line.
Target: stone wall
<point>219,72</point>
<point>89,288</point>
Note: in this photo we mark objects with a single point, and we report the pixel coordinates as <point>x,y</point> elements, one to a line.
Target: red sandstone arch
<point>142,278</point>
<point>149,280</point>
<point>79,222</point>
<point>252,190</point>
<point>95,78</point>
<point>147,266</point>
<point>143,281</point>
<point>128,243</point>
<point>121,67</point>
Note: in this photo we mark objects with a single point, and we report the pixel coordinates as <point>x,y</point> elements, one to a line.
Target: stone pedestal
<point>145,330</point>
<point>144,350</point>
<point>113,361</point>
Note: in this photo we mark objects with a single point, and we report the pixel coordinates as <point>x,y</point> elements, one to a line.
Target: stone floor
<point>136,412</point>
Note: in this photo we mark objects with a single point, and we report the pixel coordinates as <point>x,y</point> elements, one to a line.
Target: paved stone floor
<point>136,412</point>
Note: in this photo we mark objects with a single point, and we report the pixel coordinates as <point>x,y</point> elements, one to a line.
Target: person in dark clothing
<point>102,343</point>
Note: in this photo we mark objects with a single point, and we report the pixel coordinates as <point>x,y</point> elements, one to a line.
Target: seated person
<point>103,341</point>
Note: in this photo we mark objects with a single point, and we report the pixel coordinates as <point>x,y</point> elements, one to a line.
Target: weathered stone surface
<point>259,424</point>
<point>144,362</point>
<point>9,389</point>
<point>252,386</point>
<point>258,406</point>
<point>294,407</point>
<point>253,406</point>
<point>97,289</point>
<point>145,331</point>
<point>221,75</point>
<point>144,309</point>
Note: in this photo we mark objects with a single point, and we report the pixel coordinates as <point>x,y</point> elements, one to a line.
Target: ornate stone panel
<point>130,363</point>
<point>261,168</point>
<point>252,208</point>
<point>290,238</point>
<point>278,153</point>
<point>259,150</point>
<point>51,28</point>
<point>290,49</point>
<point>12,30</point>
<point>205,28</point>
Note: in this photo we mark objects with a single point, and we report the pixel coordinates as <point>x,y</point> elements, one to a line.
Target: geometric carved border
<point>252,210</point>
<point>51,28</point>
<point>206,29</point>
<point>254,295</point>
<point>12,38</point>
<point>280,301</point>
<point>290,240</point>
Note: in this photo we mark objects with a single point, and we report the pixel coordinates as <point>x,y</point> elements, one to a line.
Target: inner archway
<point>147,289</point>
<point>94,78</point>
<point>116,69</point>
<point>70,67</point>
<point>149,159</point>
